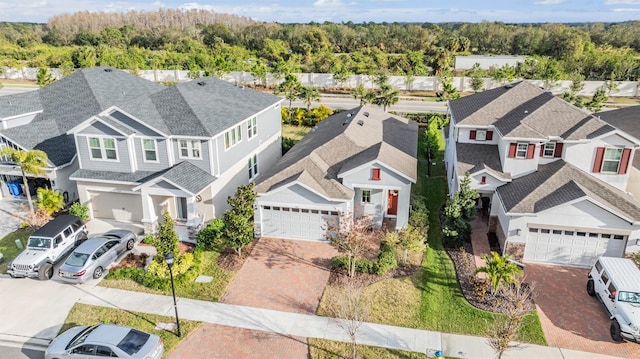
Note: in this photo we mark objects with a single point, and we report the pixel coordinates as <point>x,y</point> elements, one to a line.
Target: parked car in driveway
<point>616,283</point>
<point>91,258</point>
<point>105,340</point>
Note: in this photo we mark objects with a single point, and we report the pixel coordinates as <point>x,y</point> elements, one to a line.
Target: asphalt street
<point>20,352</point>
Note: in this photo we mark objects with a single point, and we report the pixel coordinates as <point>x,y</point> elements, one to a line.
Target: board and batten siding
<point>122,165</point>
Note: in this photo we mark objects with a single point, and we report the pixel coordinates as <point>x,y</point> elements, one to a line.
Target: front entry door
<point>392,202</point>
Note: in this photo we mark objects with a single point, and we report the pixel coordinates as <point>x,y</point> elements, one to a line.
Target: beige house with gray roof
<point>358,162</point>
<point>553,178</point>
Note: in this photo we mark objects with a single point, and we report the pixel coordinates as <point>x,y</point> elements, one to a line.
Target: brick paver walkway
<point>285,275</point>
<point>221,342</point>
<point>570,317</point>
<point>480,241</point>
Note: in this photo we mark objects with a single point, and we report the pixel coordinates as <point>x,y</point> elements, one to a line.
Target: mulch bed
<point>229,259</point>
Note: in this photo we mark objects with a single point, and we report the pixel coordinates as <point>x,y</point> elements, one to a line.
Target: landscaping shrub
<point>79,210</point>
<point>287,143</point>
<point>49,201</point>
<point>363,265</point>
<point>209,236</point>
<point>386,261</point>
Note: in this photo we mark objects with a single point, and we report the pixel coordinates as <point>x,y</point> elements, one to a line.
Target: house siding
<point>204,162</point>
<point>63,183</point>
<point>268,126</point>
<point>122,165</point>
<point>161,151</point>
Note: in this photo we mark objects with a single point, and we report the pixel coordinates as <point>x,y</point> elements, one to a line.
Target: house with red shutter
<point>553,179</point>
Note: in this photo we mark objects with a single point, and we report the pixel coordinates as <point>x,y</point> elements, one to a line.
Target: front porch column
<point>149,216</point>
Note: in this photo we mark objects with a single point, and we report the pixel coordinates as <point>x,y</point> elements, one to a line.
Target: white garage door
<point>296,223</point>
<point>118,206</point>
<point>571,247</point>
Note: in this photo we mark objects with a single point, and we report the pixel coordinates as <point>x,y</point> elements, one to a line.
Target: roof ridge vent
<point>366,114</point>
<point>360,122</point>
<point>348,115</point>
<point>526,111</point>
<point>508,86</point>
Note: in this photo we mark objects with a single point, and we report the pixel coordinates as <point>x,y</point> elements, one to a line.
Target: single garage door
<point>296,223</point>
<point>571,247</point>
<point>118,206</point>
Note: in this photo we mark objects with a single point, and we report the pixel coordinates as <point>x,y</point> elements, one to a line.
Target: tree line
<point>199,40</point>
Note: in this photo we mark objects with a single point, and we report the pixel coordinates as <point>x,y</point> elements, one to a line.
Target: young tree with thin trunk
<point>349,235</point>
<point>30,162</point>
<point>351,310</point>
<point>309,94</point>
<point>516,303</point>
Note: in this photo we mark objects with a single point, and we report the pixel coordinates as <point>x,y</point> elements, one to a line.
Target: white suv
<point>616,283</point>
<point>47,246</point>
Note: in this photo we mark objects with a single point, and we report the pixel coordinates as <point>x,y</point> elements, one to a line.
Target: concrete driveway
<point>282,274</point>
<point>570,317</point>
<point>12,212</point>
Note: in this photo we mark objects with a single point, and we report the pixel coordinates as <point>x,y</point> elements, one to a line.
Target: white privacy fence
<point>416,83</point>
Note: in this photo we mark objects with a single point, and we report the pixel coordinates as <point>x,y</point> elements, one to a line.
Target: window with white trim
<point>481,135</point>
<point>252,127</point>
<point>366,196</point>
<point>189,148</point>
<point>232,137</point>
<point>611,161</point>
<point>549,149</point>
<point>149,150</point>
<point>103,148</point>
<point>521,150</point>
<point>253,166</point>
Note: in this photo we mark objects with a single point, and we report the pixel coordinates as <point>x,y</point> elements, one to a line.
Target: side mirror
<point>612,297</point>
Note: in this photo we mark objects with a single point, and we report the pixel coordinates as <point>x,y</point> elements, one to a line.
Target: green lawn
<point>84,314</point>
<point>8,247</point>
<point>294,132</point>
<point>432,299</point>
<point>202,291</point>
<point>328,349</point>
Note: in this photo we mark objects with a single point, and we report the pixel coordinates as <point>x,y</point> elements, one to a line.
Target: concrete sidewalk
<point>299,325</point>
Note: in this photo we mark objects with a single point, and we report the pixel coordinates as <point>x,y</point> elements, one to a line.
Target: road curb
<point>20,341</point>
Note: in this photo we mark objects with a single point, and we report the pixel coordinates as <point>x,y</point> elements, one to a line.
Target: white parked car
<point>105,340</point>
<point>616,283</point>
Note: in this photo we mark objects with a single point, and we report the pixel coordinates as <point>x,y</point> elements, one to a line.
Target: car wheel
<point>590,288</point>
<point>616,334</point>
<point>130,244</point>
<point>98,273</point>
<point>45,272</point>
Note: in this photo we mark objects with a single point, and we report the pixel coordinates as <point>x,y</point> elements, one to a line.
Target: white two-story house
<point>552,177</point>
<point>183,148</point>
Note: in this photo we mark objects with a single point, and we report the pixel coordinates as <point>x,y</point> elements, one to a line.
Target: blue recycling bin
<point>14,188</point>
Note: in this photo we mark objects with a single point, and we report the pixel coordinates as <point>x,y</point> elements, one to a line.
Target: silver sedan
<point>94,255</point>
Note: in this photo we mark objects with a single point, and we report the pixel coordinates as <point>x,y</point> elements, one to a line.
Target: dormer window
<point>189,149</point>
<point>549,149</point>
<point>483,180</point>
<point>149,149</point>
<point>612,160</point>
<point>521,151</point>
<point>481,135</point>
<point>103,148</point>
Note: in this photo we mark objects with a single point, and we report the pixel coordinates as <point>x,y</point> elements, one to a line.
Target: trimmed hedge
<point>386,261</point>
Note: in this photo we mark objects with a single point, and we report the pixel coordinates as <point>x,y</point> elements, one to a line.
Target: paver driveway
<point>570,317</point>
<point>285,275</point>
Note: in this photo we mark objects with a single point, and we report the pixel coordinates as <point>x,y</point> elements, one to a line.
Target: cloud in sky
<point>622,2</point>
<point>328,3</point>
<point>548,2</point>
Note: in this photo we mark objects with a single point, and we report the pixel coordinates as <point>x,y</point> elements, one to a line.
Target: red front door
<point>392,203</point>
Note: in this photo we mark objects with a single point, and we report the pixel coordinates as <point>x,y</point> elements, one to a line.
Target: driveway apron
<point>570,317</point>
<point>284,275</point>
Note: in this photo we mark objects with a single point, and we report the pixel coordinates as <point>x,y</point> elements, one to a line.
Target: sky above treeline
<point>357,11</point>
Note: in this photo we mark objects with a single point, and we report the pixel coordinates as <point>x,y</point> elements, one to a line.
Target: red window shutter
<point>558,151</point>
<point>597,164</point>
<point>541,149</point>
<point>472,134</point>
<point>530,150</point>
<point>624,161</point>
<point>489,135</point>
<point>513,147</point>
<point>375,174</point>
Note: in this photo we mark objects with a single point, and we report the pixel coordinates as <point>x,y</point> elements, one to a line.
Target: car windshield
<point>77,259</point>
<point>39,242</point>
<point>133,341</point>
<point>629,297</point>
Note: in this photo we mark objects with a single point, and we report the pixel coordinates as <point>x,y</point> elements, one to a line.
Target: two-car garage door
<point>119,206</point>
<point>296,223</point>
<point>570,247</point>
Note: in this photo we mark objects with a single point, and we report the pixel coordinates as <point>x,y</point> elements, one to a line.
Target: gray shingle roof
<point>184,174</point>
<point>625,119</point>
<point>66,103</point>
<point>340,143</point>
<point>557,183</point>
<point>476,157</point>
<point>203,107</point>
<point>527,111</point>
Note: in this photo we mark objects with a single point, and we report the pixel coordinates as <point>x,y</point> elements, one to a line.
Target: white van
<point>616,283</point>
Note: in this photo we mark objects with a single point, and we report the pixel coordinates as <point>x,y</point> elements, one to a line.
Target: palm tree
<point>499,269</point>
<point>387,96</point>
<point>289,87</point>
<point>309,94</point>
<point>32,161</point>
<point>360,93</point>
